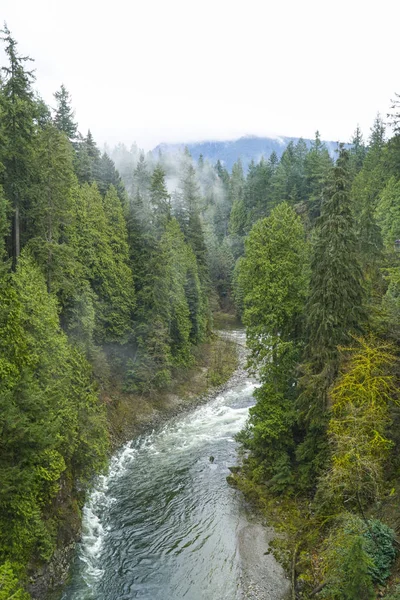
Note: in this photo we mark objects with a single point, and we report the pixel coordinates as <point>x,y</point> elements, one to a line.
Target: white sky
<point>183,70</point>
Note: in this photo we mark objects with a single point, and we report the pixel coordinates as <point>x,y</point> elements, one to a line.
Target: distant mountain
<point>247,148</point>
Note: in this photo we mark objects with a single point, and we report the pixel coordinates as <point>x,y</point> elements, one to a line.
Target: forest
<point>117,259</point>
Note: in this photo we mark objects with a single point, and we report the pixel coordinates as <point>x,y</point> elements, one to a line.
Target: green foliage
<point>4,224</point>
<point>18,110</point>
<point>160,198</point>
<point>325,420</point>
<point>9,585</point>
<point>271,280</point>
<point>124,277</point>
<point>388,212</point>
<point>380,547</point>
<point>357,554</point>
<point>336,294</point>
<point>358,424</point>
<point>50,209</point>
<point>100,240</point>
<point>87,159</point>
<point>171,289</point>
<point>317,166</point>
<point>347,563</point>
<point>64,115</point>
<point>50,421</point>
<point>172,311</point>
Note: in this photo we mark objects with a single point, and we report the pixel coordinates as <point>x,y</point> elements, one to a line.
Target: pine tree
<point>51,422</point>
<point>317,166</point>
<point>258,200</point>
<point>160,199</point>
<point>4,228</point>
<point>141,180</point>
<point>108,175</point>
<point>99,237</point>
<point>366,190</point>
<point>358,152</point>
<point>393,146</point>
<point>50,210</point>
<point>189,217</point>
<point>64,114</point>
<point>87,160</point>
<point>17,130</point>
<point>334,312</point>
<point>388,213</point>
<point>336,292</point>
<point>237,216</point>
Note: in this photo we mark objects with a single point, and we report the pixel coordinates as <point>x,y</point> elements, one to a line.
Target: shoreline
<point>48,581</point>
<point>261,576</point>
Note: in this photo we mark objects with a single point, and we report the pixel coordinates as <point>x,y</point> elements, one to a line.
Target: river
<point>163,524</point>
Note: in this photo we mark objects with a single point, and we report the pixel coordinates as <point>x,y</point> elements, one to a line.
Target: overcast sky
<point>184,70</point>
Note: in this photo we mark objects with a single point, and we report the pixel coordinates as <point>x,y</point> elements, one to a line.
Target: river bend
<point>163,524</point>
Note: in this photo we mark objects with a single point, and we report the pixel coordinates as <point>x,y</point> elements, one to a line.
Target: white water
<point>163,523</point>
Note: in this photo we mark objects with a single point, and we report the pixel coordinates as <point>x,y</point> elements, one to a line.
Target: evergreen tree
<point>4,228</point>
<point>393,146</point>
<point>99,237</point>
<point>388,213</point>
<point>17,130</point>
<point>87,160</point>
<point>50,210</point>
<point>64,114</point>
<point>271,280</point>
<point>258,199</point>
<point>141,180</point>
<point>317,166</point>
<point>366,189</point>
<point>336,292</point>
<point>160,199</point>
<point>51,421</point>
<point>108,175</point>
<point>237,217</point>
<point>189,219</point>
<point>358,152</point>
<point>334,311</point>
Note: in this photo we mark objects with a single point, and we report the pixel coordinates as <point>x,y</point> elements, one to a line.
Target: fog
<point>180,71</point>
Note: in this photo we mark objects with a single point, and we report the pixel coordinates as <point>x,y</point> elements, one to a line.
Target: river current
<point>163,523</point>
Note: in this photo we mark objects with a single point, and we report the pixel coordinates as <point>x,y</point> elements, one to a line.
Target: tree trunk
<point>17,243</point>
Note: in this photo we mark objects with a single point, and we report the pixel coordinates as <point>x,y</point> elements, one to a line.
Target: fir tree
<point>50,210</point>
<point>160,199</point>
<point>64,114</point>
<point>17,129</point>
<point>336,292</point>
<point>334,312</point>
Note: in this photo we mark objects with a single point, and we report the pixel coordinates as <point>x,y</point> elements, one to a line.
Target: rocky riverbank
<point>262,577</point>
<point>131,415</point>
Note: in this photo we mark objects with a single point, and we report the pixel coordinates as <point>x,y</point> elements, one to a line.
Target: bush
<point>357,555</point>
<point>347,565</point>
<point>380,547</point>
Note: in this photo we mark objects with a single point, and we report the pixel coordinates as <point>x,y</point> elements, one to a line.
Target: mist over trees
<point>117,260</point>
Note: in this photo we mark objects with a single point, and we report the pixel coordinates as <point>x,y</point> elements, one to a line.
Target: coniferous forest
<point>117,260</point>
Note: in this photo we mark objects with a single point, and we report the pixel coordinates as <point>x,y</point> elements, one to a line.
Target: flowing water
<point>163,524</point>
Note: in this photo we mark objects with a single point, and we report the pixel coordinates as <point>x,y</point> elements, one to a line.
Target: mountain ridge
<point>247,148</point>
